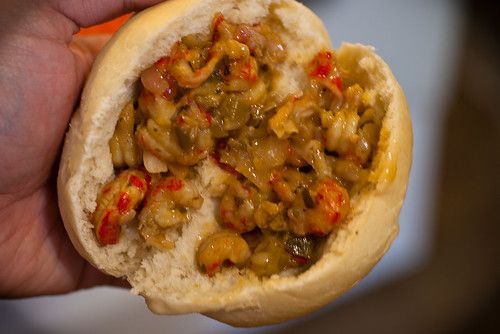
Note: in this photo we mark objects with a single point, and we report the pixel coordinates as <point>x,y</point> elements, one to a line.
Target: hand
<point>41,75</point>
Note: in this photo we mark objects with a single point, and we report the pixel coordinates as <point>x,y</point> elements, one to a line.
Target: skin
<point>41,75</point>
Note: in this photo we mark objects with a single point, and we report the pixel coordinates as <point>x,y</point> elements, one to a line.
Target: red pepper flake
<point>171,184</point>
<point>300,260</point>
<point>147,96</point>
<point>319,197</point>
<point>248,72</point>
<point>123,202</point>
<point>243,221</point>
<point>247,189</point>
<point>137,182</point>
<point>209,118</point>
<point>172,89</point>
<point>274,178</point>
<point>229,225</point>
<point>162,66</point>
<point>216,156</point>
<point>147,178</point>
<point>219,18</point>
<point>162,62</point>
<point>327,183</point>
<point>181,120</point>
<point>141,140</point>
<point>323,64</point>
<point>337,81</point>
<point>340,198</point>
<point>178,53</point>
<point>106,190</point>
<point>212,268</point>
<point>333,217</point>
<point>108,231</point>
<point>324,68</point>
<point>221,144</point>
<point>243,35</point>
<point>317,231</point>
<point>331,196</point>
<point>350,156</point>
<point>205,113</point>
<point>225,220</point>
<point>168,93</point>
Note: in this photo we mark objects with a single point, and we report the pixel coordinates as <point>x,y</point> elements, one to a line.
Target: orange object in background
<point>105,28</point>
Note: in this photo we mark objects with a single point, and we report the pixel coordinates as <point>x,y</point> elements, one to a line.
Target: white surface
<point>420,41</point>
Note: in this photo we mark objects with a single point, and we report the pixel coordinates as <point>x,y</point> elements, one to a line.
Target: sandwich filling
<point>289,165</point>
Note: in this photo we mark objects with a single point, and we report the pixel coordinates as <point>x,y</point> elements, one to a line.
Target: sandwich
<point>226,160</point>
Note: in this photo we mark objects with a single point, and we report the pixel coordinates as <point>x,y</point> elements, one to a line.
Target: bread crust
<point>350,253</point>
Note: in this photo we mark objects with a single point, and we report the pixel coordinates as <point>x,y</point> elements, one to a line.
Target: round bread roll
<point>170,281</point>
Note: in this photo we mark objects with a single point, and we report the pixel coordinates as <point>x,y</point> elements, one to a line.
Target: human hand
<point>41,75</point>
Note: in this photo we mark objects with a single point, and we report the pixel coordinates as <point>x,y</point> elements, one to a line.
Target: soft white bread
<point>170,281</point>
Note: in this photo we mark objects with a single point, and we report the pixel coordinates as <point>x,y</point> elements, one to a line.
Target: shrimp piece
<point>158,81</point>
<point>222,248</point>
<point>342,127</point>
<point>270,216</point>
<point>237,207</point>
<point>243,74</point>
<point>324,70</point>
<point>282,123</point>
<point>166,207</point>
<point>269,256</point>
<point>285,182</point>
<point>312,152</point>
<point>293,158</point>
<point>117,203</point>
<point>224,46</point>
<point>187,77</point>
<point>263,42</point>
<point>327,207</point>
<point>157,108</point>
<point>123,146</point>
<point>243,66</point>
<point>185,141</point>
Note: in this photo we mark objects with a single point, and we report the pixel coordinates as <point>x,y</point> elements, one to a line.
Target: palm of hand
<point>41,78</point>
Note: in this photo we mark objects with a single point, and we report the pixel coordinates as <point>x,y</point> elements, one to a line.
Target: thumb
<point>90,12</point>
<point>85,49</point>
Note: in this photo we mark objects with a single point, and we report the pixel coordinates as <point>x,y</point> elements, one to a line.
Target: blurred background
<point>442,274</point>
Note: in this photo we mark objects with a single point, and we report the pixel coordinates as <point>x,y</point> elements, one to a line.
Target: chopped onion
<point>153,164</point>
<point>153,81</point>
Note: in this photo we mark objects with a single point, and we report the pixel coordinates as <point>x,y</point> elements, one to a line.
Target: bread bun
<point>170,281</point>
